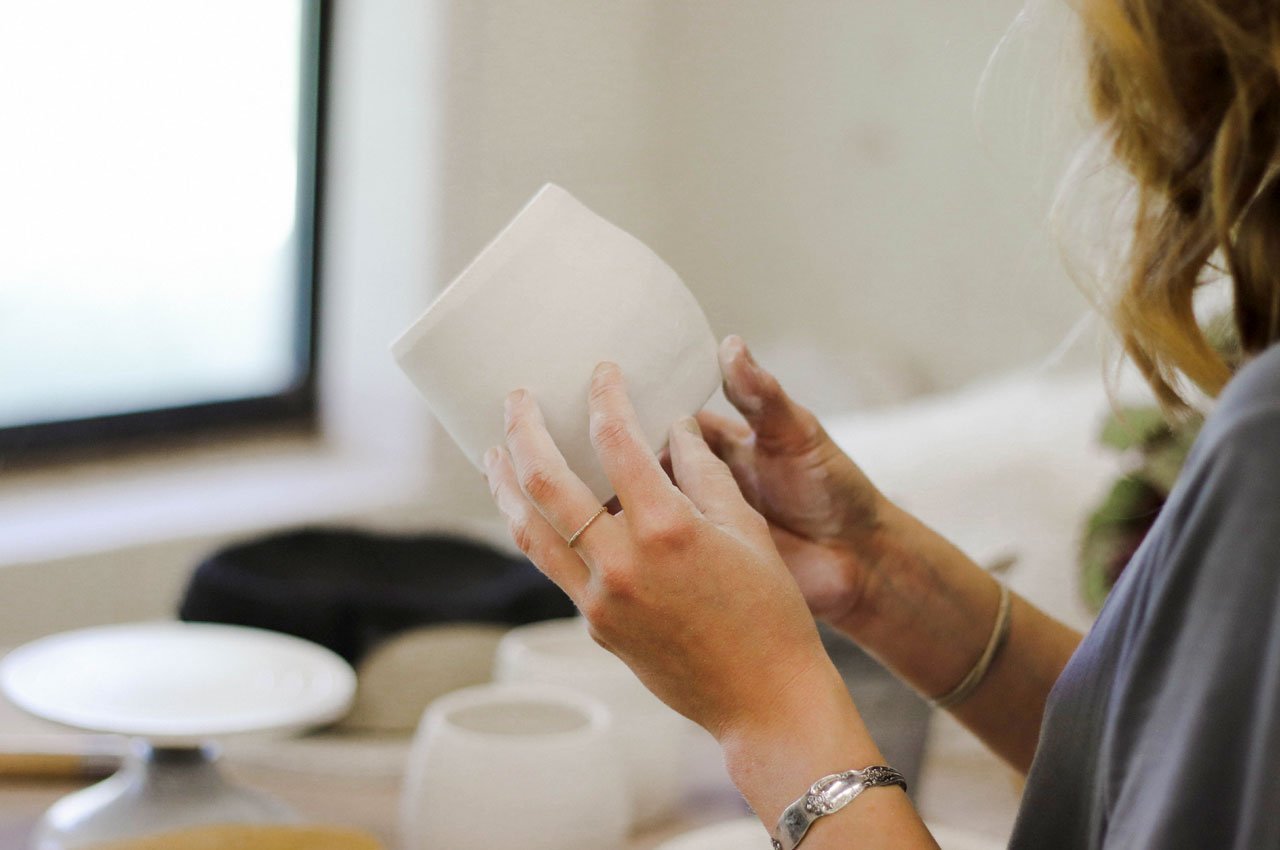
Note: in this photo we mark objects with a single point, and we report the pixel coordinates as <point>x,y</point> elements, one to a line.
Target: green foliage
<point>1133,427</point>
<point>1156,451</point>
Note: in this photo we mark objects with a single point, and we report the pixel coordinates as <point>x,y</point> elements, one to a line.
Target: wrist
<point>878,553</point>
<point>811,730</point>
<point>925,609</point>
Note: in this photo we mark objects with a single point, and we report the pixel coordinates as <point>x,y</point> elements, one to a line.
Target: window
<point>158,197</point>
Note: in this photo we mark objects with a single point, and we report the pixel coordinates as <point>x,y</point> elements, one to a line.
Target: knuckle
<point>811,438</point>
<point>537,481</point>
<point>665,530</point>
<point>617,585</point>
<point>521,532</point>
<point>595,609</point>
<point>807,424</point>
<point>610,433</point>
<point>798,431</point>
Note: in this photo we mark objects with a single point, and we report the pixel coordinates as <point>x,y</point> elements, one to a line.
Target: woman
<point>1161,727</point>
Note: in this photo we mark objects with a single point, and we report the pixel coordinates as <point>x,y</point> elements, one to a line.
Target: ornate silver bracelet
<point>827,796</point>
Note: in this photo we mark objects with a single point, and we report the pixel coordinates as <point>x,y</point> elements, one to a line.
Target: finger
<point>706,479</point>
<point>734,443</point>
<point>545,478</point>
<point>723,435</point>
<point>664,460</point>
<point>530,530</point>
<point>781,426</point>
<point>625,456</point>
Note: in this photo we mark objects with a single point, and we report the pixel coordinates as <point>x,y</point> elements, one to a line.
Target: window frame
<point>297,407</point>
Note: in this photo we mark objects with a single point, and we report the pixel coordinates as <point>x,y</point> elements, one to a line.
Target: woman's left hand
<point>684,584</point>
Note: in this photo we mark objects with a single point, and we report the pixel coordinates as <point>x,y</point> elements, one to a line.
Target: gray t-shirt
<point>1164,729</point>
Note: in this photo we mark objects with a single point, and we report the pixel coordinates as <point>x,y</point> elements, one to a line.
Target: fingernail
<point>491,457</point>
<point>691,425</point>
<point>743,378</point>
<point>605,369</point>
<point>514,398</point>
<point>735,350</point>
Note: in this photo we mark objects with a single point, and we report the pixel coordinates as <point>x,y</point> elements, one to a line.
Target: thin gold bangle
<point>974,677</point>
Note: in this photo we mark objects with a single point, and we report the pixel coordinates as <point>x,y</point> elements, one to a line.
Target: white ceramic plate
<point>178,682</point>
<point>741,834</point>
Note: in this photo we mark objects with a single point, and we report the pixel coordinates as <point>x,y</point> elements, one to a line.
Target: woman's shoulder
<point>1194,627</point>
<point>1223,517</point>
<point>1253,392</point>
<point>1241,436</point>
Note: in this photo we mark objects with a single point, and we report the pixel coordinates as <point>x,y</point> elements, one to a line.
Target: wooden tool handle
<point>18,765</point>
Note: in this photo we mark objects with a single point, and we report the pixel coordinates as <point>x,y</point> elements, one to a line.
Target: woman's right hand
<point>826,517</point>
<point>903,592</point>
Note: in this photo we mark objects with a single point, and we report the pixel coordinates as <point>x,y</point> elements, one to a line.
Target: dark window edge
<point>295,410</point>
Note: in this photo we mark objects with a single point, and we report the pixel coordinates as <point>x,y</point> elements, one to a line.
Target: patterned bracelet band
<point>827,796</point>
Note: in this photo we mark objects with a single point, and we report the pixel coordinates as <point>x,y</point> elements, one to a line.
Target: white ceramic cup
<point>652,739</point>
<point>558,291</point>
<point>514,767</point>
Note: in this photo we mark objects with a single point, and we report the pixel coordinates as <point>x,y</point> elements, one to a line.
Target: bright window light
<point>152,218</point>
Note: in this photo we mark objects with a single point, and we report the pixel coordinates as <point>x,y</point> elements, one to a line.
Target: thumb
<point>781,426</point>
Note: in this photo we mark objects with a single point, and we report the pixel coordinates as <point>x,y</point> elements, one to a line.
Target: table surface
<point>341,780</point>
<point>367,804</point>
<point>354,781</point>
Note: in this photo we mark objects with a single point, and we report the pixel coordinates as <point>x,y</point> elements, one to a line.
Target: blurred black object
<point>348,590</point>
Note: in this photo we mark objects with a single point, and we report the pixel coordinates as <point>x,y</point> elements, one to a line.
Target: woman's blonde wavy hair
<point>1188,92</point>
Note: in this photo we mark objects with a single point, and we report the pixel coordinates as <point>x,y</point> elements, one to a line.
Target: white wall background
<point>813,169</point>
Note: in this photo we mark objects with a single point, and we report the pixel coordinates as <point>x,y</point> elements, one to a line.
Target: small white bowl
<point>653,741</point>
<point>514,767</point>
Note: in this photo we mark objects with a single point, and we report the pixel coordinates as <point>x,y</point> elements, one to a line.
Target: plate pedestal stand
<point>173,689</point>
<point>156,789</point>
